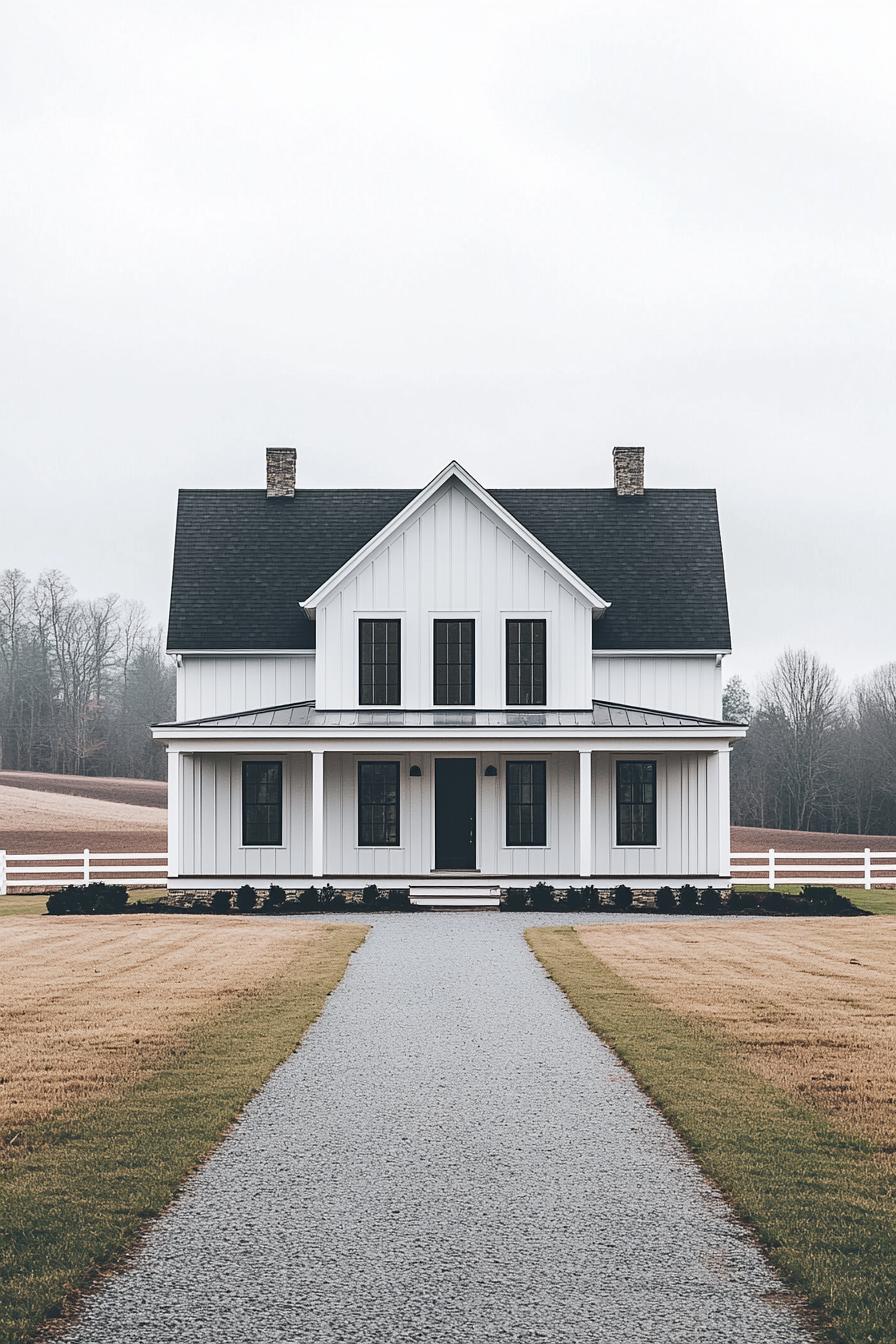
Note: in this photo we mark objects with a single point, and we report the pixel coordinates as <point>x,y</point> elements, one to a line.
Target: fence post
<point>86,867</point>
<point>867,869</point>
<point>2,872</point>
<point>771,869</point>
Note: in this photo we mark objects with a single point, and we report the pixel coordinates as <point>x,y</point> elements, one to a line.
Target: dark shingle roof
<point>243,562</point>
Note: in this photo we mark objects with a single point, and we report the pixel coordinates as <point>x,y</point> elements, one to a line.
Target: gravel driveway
<point>450,1156</point>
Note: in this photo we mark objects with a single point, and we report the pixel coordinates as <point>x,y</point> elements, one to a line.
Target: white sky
<point>511,233</point>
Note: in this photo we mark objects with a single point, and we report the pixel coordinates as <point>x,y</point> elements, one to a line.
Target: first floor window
<point>453,662</point>
<point>526,803</point>
<point>378,820</point>
<point>379,673</point>
<point>525,662</point>
<point>636,802</point>
<point>262,802</point>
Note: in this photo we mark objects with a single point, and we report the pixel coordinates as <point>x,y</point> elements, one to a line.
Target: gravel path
<point>450,1156</point>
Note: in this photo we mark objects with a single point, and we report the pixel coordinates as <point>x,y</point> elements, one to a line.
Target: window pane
<point>378,803</point>
<point>453,662</point>
<point>262,803</point>
<point>636,802</point>
<point>379,656</point>
<point>526,646</point>
<point>526,803</point>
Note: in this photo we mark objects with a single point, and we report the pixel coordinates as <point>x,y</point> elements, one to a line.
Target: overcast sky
<point>511,233</point>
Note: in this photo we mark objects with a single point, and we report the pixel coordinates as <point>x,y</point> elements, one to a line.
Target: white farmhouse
<point>452,689</point>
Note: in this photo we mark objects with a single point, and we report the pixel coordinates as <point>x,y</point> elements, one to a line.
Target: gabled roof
<point>602,714</point>
<point>455,472</point>
<point>243,562</point>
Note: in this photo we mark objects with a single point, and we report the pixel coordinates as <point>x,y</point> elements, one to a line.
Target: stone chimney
<point>281,473</point>
<point>628,471</point>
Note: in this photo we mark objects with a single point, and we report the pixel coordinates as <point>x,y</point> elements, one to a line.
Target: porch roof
<point>602,714</point>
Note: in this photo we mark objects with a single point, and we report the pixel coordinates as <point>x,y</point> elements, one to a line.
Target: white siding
<point>226,683</point>
<point>691,685</point>
<point>454,558</point>
<point>687,818</point>
<point>211,821</point>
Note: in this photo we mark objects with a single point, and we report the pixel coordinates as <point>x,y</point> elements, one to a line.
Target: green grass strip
<point>822,1203</point>
<point>81,1191</point>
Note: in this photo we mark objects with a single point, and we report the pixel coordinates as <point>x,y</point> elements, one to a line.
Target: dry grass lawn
<point>90,1004</point>
<point>810,1004</point>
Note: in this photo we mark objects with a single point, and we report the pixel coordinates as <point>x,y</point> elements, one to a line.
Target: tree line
<point>817,756</point>
<point>80,681</point>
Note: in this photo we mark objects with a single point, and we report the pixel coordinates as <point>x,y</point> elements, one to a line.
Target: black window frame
<point>526,819</point>
<point>368,686</point>
<point>367,807</point>
<point>520,638</point>
<point>273,835</point>
<point>453,666</point>
<point>634,831</point>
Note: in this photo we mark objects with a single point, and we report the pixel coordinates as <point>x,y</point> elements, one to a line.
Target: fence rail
<point>853,868</point>
<point>46,871</point>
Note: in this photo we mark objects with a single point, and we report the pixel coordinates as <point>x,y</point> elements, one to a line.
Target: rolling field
<point>128,1048</point>
<point>770,1047</point>
<point>38,821</point>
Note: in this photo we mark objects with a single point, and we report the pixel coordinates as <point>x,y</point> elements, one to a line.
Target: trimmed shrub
<point>514,898</point>
<point>331,899</point>
<point>664,900</point>
<point>541,896</point>
<point>221,903</point>
<point>276,896</point>
<point>576,899</point>
<point>111,899</point>
<point>828,901</point>
<point>370,895</point>
<point>309,899</point>
<point>689,899</point>
<point>776,902</point>
<point>623,897</point>
<point>101,898</point>
<point>66,901</point>
<point>593,900</point>
<point>743,903</point>
<point>711,901</point>
<point>399,899</point>
<point>246,898</point>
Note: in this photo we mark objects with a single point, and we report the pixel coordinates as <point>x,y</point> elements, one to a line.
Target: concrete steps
<point>454,896</point>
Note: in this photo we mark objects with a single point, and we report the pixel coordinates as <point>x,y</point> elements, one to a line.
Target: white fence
<point>857,868</point>
<point>46,871</point>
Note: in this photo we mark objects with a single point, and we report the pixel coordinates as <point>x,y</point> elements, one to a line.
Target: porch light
<point>490,771</point>
<point>415,772</point>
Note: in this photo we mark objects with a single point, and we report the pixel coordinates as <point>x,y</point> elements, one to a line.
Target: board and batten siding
<point>211,820</point>
<point>687,786</point>
<point>454,558</point>
<point>685,685</point>
<point>226,683</point>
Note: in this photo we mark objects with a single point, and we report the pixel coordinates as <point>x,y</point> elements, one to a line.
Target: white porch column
<point>317,814</point>
<point>725,812</point>
<point>584,813</point>
<point>173,812</point>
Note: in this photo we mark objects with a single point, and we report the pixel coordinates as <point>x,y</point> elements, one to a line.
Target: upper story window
<point>526,662</point>
<point>262,802</point>
<point>454,659</point>
<point>636,802</point>
<point>379,681</point>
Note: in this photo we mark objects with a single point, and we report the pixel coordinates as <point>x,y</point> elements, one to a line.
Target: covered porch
<point>629,795</point>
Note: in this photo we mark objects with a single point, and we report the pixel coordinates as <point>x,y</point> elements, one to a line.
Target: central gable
<point>455,480</point>
<point>454,551</point>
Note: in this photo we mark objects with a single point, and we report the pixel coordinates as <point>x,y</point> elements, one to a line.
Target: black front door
<point>455,813</point>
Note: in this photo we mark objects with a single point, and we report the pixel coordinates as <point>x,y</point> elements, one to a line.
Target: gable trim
<point>455,471</point>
